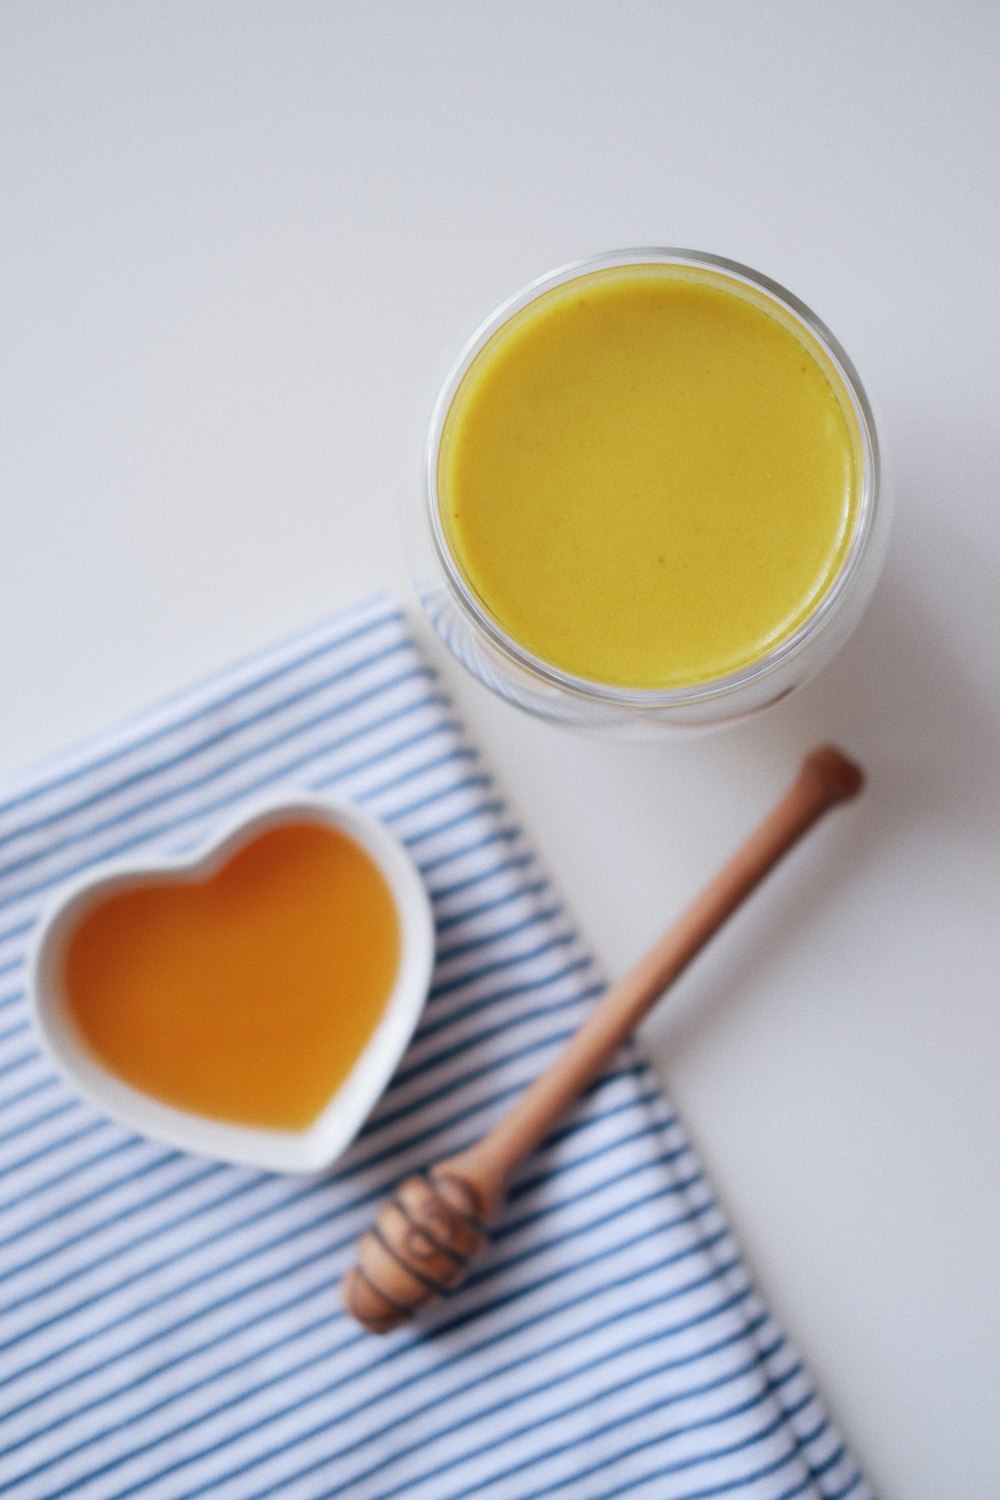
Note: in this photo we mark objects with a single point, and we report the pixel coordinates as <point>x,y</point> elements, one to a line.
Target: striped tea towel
<point>169,1326</point>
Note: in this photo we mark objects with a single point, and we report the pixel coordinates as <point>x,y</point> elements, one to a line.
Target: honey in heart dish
<point>247,996</point>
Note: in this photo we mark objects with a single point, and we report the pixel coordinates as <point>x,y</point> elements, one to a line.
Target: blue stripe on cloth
<point>745,1480</point>
<point>703,1457</point>
<point>153,1371</point>
<point>523,1393</point>
<point>367,1198</point>
<point>415,676</point>
<point>548,1351</point>
<point>156,771</point>
<point>169,1327</point>
<point>263,674</point>
<point>690,1391</point>
<point>39,1087</point>
<point>206,1415</point>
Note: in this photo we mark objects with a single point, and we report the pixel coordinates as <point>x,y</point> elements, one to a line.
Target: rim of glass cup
<point>826,608</point>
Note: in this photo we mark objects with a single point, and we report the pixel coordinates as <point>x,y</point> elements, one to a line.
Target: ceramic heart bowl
<point>271,978</point>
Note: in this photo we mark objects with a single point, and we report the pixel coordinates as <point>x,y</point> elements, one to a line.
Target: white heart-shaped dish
<point>308,1150</point>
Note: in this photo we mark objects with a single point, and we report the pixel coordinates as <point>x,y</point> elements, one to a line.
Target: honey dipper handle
<point>826,778</point>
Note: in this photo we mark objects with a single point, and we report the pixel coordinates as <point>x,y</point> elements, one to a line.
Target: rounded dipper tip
<point>840,777</point>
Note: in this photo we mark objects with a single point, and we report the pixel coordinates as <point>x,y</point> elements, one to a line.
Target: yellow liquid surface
<point>648,478</point>
<point>248,996</point>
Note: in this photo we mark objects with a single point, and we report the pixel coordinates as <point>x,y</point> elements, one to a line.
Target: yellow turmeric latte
<point>649,476</point>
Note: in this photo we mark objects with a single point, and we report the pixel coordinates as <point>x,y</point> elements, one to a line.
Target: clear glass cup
<point>483,646</point>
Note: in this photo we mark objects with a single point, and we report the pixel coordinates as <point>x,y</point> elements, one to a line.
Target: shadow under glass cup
<point>668,505</point>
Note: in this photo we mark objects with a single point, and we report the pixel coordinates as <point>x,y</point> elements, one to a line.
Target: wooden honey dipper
<point>425,1237</point>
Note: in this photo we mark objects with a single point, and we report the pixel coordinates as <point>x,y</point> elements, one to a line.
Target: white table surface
<point>240,241</point>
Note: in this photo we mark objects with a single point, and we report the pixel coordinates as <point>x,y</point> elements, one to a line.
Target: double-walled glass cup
<point>482,644</point>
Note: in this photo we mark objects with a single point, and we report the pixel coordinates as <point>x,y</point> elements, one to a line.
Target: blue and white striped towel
<point>169,1327</point>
